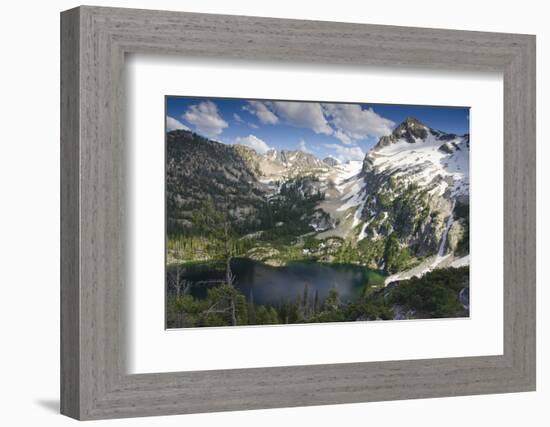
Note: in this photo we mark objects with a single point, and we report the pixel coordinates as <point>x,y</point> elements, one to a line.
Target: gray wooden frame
<point>94,41</point>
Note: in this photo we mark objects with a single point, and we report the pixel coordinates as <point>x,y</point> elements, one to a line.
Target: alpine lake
<point>276,285</point>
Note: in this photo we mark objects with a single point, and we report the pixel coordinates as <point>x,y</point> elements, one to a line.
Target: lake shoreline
<point>271,284</point>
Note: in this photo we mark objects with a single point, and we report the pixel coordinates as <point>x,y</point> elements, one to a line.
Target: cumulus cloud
<point>205,118</point>
<point>260,110</point>
<point>237,118</point>
<point>174,124</point>
<point>343,137</point>
<point>348,123</point>
<point>302,114</point>
<point>253,142</point>
<point>344,154</point>
<point>351,121</point>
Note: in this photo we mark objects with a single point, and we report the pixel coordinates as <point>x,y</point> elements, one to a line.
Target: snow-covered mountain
<point>406,184</point>
<point>409,185</point>
<point>432,159</point>
<point>416,188</point>
<point>410,194</point>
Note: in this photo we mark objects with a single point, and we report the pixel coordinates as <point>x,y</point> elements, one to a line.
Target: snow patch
<point>461,262</point>
<point>423,163</point>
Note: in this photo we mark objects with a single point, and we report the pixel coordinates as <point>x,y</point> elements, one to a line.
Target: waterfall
<point>424,268</point>
<point>443,242</point>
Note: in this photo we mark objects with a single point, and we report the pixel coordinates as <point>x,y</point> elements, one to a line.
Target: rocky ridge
<point>412,190</point>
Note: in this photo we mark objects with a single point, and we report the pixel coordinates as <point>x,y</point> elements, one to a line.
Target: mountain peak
<point>295,159</point>
<point>411,129</point>
<point>413,122</point>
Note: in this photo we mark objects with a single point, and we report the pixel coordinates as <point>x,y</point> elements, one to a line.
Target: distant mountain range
<point>412,186</point>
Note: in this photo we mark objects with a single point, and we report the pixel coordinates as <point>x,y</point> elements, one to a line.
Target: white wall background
<point>29,213</point>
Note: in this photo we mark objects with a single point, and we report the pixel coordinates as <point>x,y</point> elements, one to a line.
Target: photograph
<point>289,212</point>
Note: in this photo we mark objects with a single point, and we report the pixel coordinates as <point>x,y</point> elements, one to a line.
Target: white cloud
<point>344,154</point>
<point>302,114</point>
<point>302,146</point>
<point>205,118</point>
<point>253,142</point>
<point>173,124</point>
<point>237,118</point>
<point>346,122</point>
<point>253,126</point>
<point>260,110</point>
<point>353,122</point>
<point>343,137</point>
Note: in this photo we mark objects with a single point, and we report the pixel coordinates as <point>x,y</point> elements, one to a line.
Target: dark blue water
<point>275,285</point>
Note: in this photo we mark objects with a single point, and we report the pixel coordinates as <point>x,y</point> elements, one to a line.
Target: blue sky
<point>343,131</point>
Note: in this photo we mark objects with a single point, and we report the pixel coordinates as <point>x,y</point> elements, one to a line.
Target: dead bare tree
<point>212,309</point>
<point>229,276</point>
<point>177,282</point>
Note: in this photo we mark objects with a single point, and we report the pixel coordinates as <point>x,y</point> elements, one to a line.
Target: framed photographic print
<point>367,220</point>
<point>262,213</point>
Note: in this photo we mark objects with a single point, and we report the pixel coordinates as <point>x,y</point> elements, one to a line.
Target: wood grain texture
<point>70,314</point>
<point>94,235</point>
